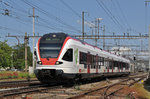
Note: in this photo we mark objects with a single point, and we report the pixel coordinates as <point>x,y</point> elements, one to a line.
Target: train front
<point>54,56</point>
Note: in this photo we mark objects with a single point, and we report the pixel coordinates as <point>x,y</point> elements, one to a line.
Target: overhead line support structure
<point>146,2</point>
<point>33,16</point>
<point>111,36</point>
<point>149,36</point>
<point>103,37</point>
<point>14,37</point>
<point>26,38</point>
<point>83,25</point>
<point>26,51</point>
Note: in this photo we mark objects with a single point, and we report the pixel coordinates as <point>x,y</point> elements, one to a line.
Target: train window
<point>83,58</point>
<point>92,61</point>
<point>101,61</point>
<point>35,55</point>
<point>115,64</point>
<point>49,50</point>
<point>124,65</point>
<point>68,55</point>
<point>121,65</point>
<point>127,66</point>
<point>110,64</point>
<point>106,63</point>
<point>85,66</point>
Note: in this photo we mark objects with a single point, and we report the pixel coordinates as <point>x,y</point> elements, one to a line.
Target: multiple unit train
<point>62,57</point>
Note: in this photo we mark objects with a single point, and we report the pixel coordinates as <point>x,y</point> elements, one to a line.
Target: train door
<point>96,63</point>
<point>88,62</point>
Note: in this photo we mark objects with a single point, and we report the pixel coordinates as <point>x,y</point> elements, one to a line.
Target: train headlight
<point>39,62</point>
<point>58,62</point>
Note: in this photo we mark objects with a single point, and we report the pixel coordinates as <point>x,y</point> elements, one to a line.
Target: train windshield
<point>48,50</point>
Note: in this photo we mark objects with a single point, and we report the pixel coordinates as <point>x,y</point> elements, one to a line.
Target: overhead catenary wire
<point>122,13</point>
<point>122,17</point>
<point>50,15</point>
<point>69,7</point>
<point>22,18</point>
<point>8,4</point>
<point>10,29</point>
<point>119,14</point>
<point>75,12</point>
<point>110,15</point>
<point>23,13</point>
<point>146,19</point>
<point>30,21</point>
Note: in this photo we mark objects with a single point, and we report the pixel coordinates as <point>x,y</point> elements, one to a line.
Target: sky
<point>119,17</point>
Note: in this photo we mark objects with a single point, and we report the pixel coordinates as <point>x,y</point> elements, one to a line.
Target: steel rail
<point>107,87</point>
<point>18,83</point>
<point>112,93</point>
<point>30,89</point>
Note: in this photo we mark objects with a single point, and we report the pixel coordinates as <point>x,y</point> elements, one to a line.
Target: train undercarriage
<point>52,75</point>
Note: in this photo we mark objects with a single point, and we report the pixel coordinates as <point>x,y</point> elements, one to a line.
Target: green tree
<point>5,55</point>
<point>19,56</point>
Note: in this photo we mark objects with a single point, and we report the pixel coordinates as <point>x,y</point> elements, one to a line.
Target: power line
<point>20,9</point>
<point>10,29</point>
<point>119,13</point>
<point>77,14</point>
<point>122,13</point>
<point>146,17</point>
<point>112,36</point>
<point>49,4</point>
<point>16,16</point>
<point>50,15</point>
<point>108,12</point>
<point>70,8</point>
<point>45,23</point>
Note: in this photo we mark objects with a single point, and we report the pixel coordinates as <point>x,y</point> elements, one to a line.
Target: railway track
<point>13,92</point>
<point>110,90</point>
<point>58,91</point>
<point>21,83</point>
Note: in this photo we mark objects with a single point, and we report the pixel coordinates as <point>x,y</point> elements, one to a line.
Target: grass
<point>139,92</point>
<point>14,75</point>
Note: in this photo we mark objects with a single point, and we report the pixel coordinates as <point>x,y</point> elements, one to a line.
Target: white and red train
<point>61,57</point>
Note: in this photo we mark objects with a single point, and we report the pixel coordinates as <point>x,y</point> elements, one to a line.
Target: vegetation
<point>14,75</point>
<point>5,55</point>
<point>13,57</point>
<point>138,92</point>
<point>18,56</point>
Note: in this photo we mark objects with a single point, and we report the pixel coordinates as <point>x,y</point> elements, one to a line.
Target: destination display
<point>54,39</point>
